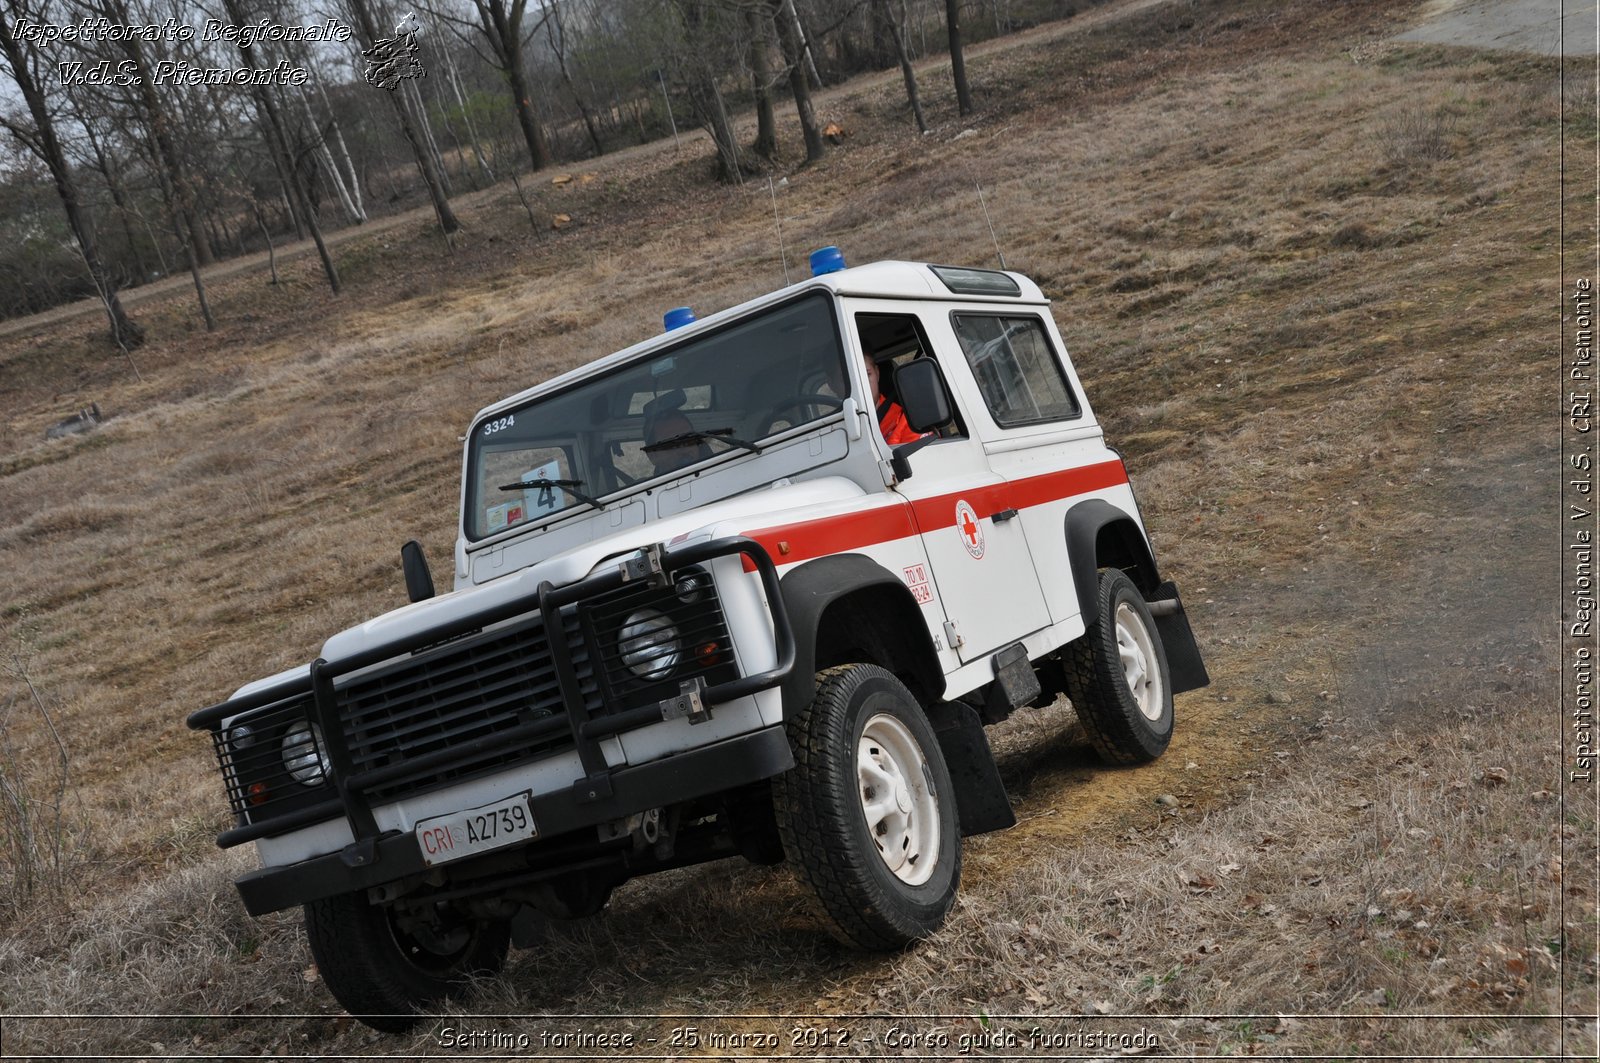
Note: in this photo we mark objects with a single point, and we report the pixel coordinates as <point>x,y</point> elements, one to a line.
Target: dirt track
<point>1539,27</point>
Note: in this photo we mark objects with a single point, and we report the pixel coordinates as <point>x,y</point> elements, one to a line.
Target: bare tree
<point>419,151</point>
<point>897,37</point>
<point>555,32</point>
<point>700,61</point>
<point>41,139</point>
<point>278,143</point>
<point>501,26</point>
<point>185,222</point>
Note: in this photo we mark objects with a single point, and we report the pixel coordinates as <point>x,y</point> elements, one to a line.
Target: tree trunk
<point>466,114</point>
<point>762,79</point>
<point>802,43</point>
<point>420,109</point>
<point>118,196</point>
<point>325,155</point>
<point>124,331</point>
<point>958,61</point>
<point>783,17</point>
<point>344,152</point>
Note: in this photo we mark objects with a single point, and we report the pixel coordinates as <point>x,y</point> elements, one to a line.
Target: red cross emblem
<point>971,531</point>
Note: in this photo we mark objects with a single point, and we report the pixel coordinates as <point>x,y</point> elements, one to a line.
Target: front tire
<point>383,967</point>
<point>868,815</point>
<point>1118,679</point>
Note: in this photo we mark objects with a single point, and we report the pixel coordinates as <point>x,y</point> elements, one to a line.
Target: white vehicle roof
<point>882,280</point>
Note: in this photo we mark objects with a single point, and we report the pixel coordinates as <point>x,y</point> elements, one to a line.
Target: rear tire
<point>383,968</point>
<point>1118,679</point>
<point>868,814</point>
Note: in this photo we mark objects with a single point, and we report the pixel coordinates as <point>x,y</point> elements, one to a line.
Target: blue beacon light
<point>677,317</point>
<point>826,260</point>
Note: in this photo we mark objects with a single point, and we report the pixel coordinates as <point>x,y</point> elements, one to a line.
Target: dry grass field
<point>1308,276</point>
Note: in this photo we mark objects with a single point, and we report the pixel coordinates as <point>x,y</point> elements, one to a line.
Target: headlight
<point>693,585</point>
<point>649,644</point>
<point>303,754</point>
<point>241,737</point>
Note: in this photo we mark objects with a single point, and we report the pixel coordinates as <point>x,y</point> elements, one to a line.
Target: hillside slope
<point>1305,273</point>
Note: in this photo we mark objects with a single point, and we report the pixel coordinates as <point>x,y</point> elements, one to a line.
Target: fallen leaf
<point>561,179</point>
<point>1228,869</point>
<point>560,221</point>
<point>1200,883</point>
<point>1495,776</point>
<point>310,974</point>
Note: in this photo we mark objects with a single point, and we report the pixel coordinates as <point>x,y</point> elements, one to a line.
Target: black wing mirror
<point>923,395</point>
<point>419,581</point>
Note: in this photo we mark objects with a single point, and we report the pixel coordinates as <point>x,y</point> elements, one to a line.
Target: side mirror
<point>923,395</point>
<point>419,581</point>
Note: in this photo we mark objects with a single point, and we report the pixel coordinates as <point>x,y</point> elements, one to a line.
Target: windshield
<point>718,395</point>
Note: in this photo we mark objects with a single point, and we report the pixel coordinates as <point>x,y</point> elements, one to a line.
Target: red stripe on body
<point>852,531</point>
<point>807,539</point>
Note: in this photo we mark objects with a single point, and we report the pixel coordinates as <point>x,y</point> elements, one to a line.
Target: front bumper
<point>394,856</point>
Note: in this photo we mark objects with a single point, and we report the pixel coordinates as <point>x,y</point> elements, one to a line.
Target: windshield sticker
<point>543,500</point>
<point>971,531</point>
<point>504,515</point>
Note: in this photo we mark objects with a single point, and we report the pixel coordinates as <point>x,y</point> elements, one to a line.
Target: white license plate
<point>476,830</point>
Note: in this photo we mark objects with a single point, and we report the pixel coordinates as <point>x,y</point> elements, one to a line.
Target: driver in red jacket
<point>891,418</point>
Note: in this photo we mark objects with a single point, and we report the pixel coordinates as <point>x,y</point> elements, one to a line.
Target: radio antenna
<point>778,224</point>
<point>997,252</point>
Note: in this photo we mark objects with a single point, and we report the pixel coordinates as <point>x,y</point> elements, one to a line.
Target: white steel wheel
<point>902,812</point>
<point>1117,676</point>
<point>868,813</point>
<point>1139,665</point>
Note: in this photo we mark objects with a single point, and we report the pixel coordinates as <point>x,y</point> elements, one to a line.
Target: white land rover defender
<point>703,609</point>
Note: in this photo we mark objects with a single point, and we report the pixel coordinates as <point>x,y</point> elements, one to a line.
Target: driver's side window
<point>890,341</point>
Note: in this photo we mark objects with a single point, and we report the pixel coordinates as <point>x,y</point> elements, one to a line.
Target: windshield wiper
<point>721,435</point>
<point>544,487</point>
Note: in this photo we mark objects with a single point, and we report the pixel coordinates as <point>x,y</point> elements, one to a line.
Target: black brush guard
<point>600,794</point>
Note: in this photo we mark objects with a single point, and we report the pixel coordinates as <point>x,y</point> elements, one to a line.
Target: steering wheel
<point>797,403</point>
<point>620,478</point>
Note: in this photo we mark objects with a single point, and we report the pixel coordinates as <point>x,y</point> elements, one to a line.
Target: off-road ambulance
<point>701,608</point>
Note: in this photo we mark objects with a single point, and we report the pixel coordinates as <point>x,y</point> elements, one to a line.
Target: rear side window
<point>1017,371</point>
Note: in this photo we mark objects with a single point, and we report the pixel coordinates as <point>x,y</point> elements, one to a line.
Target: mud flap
<point>1184,665</point>
<point>981,799</point>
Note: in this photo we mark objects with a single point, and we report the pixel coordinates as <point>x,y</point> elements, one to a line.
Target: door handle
<point>1004,515</point>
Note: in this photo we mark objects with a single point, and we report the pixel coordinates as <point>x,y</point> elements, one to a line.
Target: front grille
<point>444,698</point>
<point>454,694</point>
